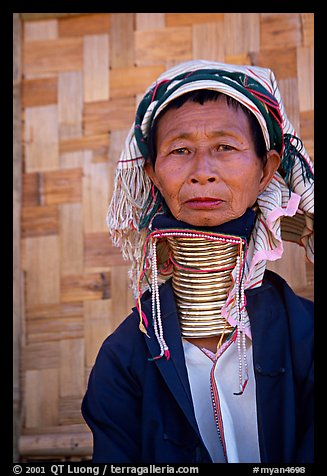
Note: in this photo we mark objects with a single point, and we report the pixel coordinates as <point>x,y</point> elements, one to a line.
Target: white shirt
<point>239,412</point>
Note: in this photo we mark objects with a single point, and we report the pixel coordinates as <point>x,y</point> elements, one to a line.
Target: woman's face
<point>207,169</point>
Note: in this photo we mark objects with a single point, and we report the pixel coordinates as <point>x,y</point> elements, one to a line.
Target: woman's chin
<point>205,219</point>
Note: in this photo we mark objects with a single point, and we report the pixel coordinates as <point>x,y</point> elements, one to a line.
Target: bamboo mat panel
<point>82,78</point>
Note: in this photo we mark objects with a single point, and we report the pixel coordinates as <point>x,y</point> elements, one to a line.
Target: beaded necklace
<point>236,246</point>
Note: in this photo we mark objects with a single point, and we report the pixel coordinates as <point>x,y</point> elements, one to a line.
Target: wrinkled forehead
<point>208,115</point>
<point>150,117</point>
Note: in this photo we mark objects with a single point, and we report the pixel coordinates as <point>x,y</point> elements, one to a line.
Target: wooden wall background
<point>80,78</point>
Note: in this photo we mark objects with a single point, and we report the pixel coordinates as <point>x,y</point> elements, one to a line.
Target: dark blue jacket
<point>141,411</point>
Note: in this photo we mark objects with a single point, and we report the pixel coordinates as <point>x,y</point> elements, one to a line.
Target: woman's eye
<point>225,147</point>
<point>180,151</point>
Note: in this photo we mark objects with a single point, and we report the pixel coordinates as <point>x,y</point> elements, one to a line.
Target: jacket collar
<point>174,369</point>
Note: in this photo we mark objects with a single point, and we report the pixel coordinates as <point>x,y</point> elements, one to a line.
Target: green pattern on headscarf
<point>252,89</point>
<point>288,160</point>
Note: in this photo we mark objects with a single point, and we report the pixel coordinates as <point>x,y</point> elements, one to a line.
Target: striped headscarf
<point>285,207</point>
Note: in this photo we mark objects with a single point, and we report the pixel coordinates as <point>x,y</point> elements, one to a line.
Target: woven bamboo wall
<point>82,78</point>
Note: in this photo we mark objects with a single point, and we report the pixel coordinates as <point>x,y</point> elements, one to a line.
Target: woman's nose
<point>202,171</point>
<point>203,179</point>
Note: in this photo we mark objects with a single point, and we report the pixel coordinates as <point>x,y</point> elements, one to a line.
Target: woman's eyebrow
<point>190,135</point>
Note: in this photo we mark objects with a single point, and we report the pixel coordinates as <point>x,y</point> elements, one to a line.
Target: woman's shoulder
<point>125,332</point>
<point>277,296</point>
<point>280,284</point>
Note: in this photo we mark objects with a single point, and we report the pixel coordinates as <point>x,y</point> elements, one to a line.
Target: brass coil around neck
<point>201,281</point>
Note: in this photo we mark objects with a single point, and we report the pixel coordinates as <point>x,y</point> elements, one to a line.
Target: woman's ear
<point>151,173</point>
<point>269,169</point>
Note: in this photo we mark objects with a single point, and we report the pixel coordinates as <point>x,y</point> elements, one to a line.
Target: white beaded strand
<point>246,375</point>
<point>156,311</point>
<point>241,335</point>
<point>238,337</point>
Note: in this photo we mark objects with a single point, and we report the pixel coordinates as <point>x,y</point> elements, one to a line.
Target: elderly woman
<point>214,364</point>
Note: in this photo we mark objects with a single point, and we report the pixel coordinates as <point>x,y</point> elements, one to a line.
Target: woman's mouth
<point>203,203</point>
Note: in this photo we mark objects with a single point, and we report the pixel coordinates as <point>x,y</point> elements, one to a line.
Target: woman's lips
<point>204,203</point>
